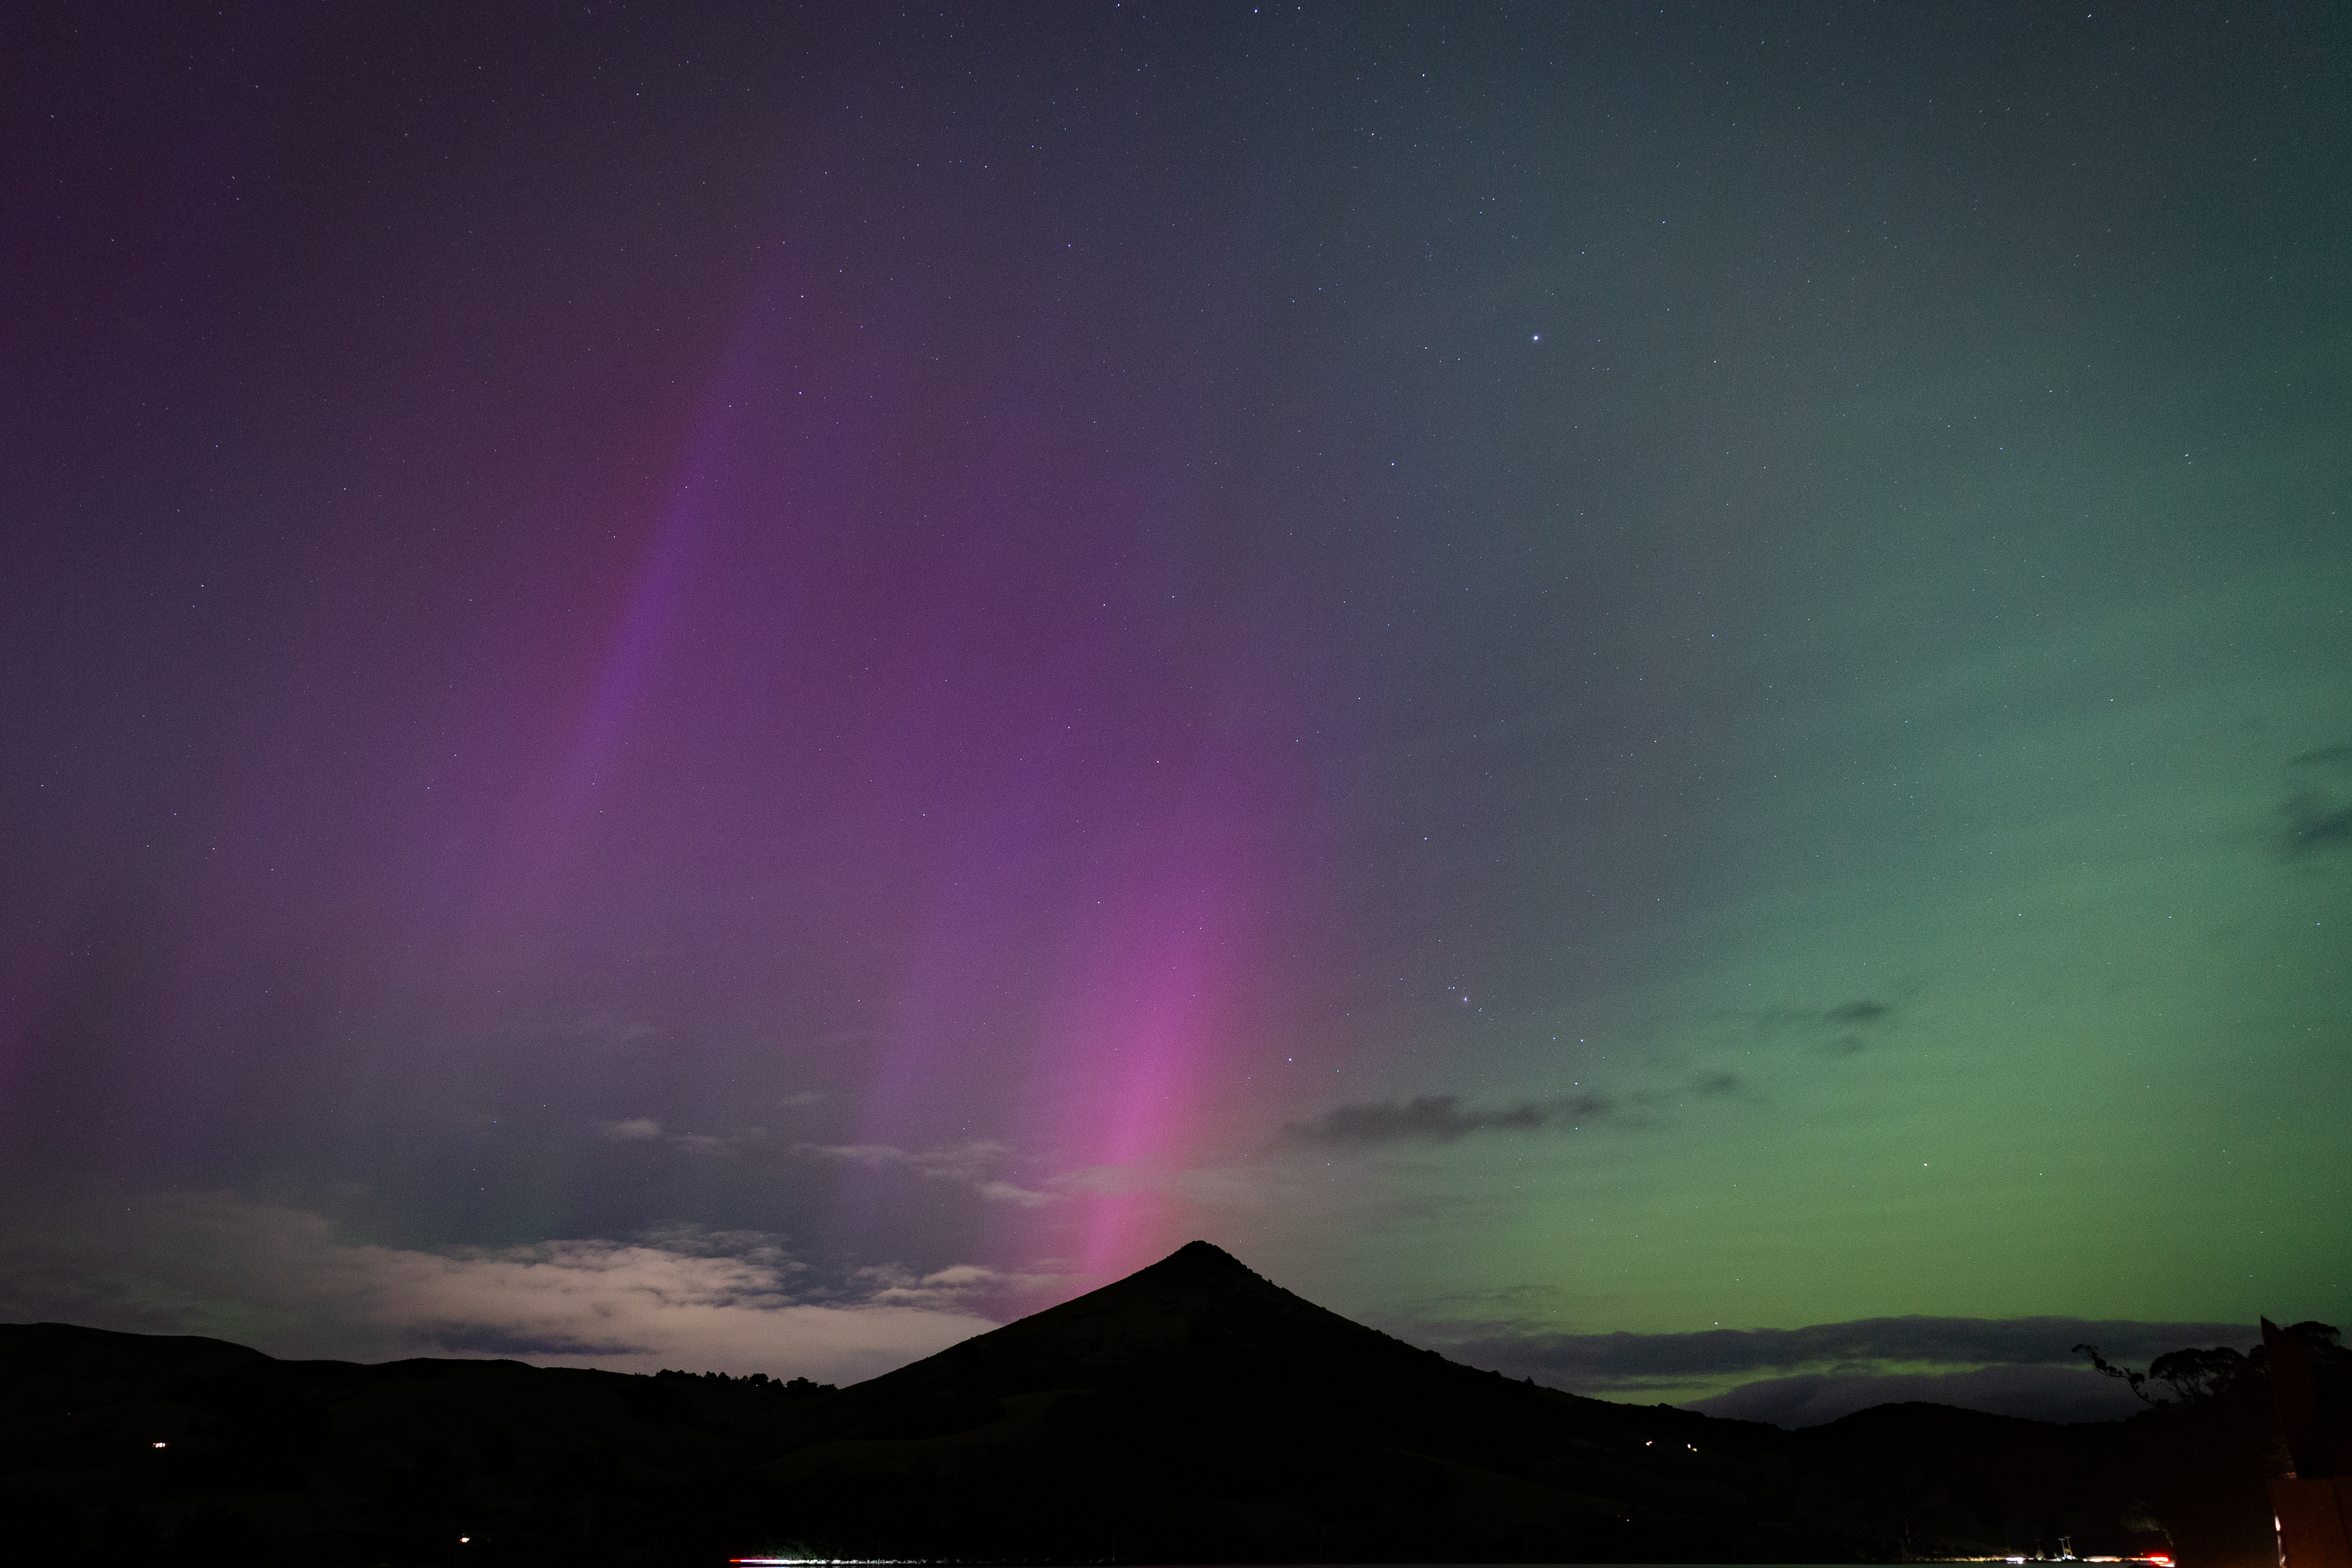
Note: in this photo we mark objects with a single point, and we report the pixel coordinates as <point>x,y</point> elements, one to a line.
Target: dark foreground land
<point>1192,1412</point>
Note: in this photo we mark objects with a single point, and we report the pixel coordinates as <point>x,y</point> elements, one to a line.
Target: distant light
<point>159,1444</point>
<point>1536,339</point>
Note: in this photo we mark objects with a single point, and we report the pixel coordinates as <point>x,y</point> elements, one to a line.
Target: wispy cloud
<point>2319,812</point>
<point>2315,822</point>
<point>953,1289</point>
<point>602,1029</point>
<point>1007,1192</point>
<point>646,1129</point>
<point>1449,1119</point>
<point>1843,1030</point>
<point>707,1143</point>
<point>1431,1118</point>
<point>2335,758</point>
<point>635,1130</point>
<point>975,1165</point>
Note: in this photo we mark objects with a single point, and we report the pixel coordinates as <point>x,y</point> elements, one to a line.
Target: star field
<point>762,687</point>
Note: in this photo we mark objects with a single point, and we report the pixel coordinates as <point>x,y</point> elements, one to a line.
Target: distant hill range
<point>1190,1413</point>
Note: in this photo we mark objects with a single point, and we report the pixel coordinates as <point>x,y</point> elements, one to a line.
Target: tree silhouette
<point>2196,1375</point>
<point>2208,1453</point>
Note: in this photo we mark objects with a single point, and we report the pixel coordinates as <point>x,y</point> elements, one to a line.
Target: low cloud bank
<point>274,1277</point>
<point>2037,1393</point>
<point>1866,1340</point>
<point>1801,1377</point>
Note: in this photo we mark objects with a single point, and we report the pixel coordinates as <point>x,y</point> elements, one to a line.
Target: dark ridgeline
<point>1192,1412</point>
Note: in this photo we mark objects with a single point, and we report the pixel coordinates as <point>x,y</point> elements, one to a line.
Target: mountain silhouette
<point>1197,1406</point>
<point>1195,1321</point>
<point>1190,1412</point>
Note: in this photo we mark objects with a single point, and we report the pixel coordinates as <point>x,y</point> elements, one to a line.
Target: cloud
<point>1432,1119</point>
<point>276,1278</point>
<point>603,1028</point>
<point>646,1129</point>
<point>2313,822</point>
<point>1865,1342</point>
<point>969,1164</point>
<point>1839,1030</point>
<point>2319,814</point>
<point>1446,1118</point>
<point>1006,1193</point>
<point>951,1289</point>
<point>1844,1030</point>
<point>2036,1393</point>
<point>635,1130</point>
<point>1800,1376</point>
<point>703,1144</point>
<point>870,1155</point>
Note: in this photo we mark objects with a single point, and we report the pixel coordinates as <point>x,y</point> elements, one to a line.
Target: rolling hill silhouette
<point>1192,1412</point>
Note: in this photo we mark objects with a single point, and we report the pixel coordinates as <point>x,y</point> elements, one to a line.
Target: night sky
<point>749,686</point>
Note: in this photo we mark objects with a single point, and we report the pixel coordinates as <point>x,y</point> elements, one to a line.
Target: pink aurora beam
<point>1139,1043</point>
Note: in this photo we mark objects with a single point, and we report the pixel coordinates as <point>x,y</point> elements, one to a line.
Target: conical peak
<point>1137,1322</point>
<point>1202,1271</point>
<point>1201,1257</point>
